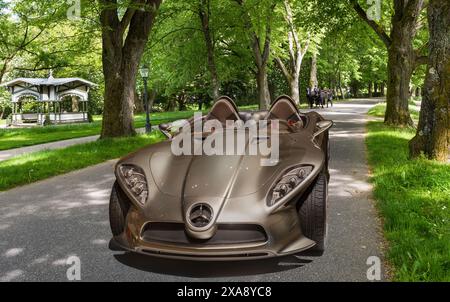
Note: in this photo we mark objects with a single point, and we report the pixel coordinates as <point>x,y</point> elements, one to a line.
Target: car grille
<point>174,233</point>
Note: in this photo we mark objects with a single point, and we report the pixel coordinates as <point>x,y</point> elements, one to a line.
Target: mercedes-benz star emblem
<point>201,215</point>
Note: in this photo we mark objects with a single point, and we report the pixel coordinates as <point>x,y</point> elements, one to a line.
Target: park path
<point>8,154</point>
<point>44,223</point>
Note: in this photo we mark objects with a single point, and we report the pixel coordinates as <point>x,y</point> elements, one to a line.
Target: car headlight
<point>287,183</point>
<point>135,181</point>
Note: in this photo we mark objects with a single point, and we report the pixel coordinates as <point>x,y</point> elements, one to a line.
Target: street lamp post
<point>144,74</point>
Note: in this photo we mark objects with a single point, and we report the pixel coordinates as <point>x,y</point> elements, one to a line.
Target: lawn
<point>414,199</point>
<point>15,138</point>
<point>380,109</point>
<point>36,166</point>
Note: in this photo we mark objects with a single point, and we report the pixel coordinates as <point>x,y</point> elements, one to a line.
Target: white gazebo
<point>49,93</point>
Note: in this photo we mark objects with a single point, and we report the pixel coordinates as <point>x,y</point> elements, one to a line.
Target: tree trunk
<point>417,93</point>
<point>400,68</point>
<point>181,100</point>
<point>375,89</point>
<point>296,53</point>
<point>139,106</point>
<point>261,55</point>
<point>294,89</point>
<point>340,86</point>
<point>370,89</point>
<point>313,74</point>
<point>402,58</point>
<point>171,104</point>
<point>204,12</point>
<point>382,89</point>
<point>433,132</point>
<point>120,84</point>
<point>263,89</point>
<point>123,44</point>
<point>152,98</point>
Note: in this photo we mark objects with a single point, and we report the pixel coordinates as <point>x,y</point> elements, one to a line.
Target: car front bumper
<point>283,238</point>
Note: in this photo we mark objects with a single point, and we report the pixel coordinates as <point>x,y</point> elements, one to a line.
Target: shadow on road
<point>196,269</point>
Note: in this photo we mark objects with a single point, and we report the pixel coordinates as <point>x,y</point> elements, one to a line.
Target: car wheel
<point>326,147</point>
<point>313,214</point>
<point>118,210</point>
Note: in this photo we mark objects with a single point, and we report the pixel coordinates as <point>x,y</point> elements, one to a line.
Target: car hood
<point>220,176</point>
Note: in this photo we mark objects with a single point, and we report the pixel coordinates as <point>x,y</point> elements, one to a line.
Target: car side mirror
<point>165,129</point>
<point>174,127</point>
<point>322,126</point>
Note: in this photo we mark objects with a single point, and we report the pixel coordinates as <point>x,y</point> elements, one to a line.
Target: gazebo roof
<point>46,81</point>
<point>48,89</point>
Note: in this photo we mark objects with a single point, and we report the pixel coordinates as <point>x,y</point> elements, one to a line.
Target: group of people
<point>318,97</point>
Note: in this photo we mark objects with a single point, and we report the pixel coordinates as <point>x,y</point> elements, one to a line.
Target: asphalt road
<point>43,224</point>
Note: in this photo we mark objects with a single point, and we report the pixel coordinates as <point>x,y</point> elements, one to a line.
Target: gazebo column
<point>85,115</point>
<point>13,118</point>
<point>54,112</point>
<point>87,110</point>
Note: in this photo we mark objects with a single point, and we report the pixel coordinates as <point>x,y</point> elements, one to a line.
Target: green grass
<point>414,199</point>
<point>36,166</point>
<point>380,109</point>
<point>16,138</point>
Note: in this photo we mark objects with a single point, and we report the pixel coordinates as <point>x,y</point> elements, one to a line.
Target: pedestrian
<point>316,96</point>
<point>330,97</point>
<point>322,97</point>
<point>309,97</point>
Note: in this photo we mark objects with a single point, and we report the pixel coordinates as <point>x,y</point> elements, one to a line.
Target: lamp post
<point>144,74</point>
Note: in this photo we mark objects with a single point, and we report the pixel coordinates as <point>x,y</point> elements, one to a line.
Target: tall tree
<point>124,41</point>
<point>297,50</point>
<point>433,132</point>
<point>204,12</point>
<point>402,57</point>
<point>260,39</point>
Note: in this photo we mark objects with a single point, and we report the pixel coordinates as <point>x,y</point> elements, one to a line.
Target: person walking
<point>322,97</point>
<point>316,96</point>
<point>330,97</point>
<point>309,97</point>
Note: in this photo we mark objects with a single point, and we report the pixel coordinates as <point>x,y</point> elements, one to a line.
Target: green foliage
<point>413,199</point>
<point>349,53</point>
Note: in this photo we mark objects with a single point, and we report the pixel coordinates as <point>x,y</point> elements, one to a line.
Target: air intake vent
<point>174,233</point>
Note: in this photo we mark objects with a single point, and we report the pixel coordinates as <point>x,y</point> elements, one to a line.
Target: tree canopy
<point>252,50</point>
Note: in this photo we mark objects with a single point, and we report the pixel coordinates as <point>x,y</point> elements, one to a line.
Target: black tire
<point>313,214</point>
<point>118,210</point>
<point>326,150</point>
